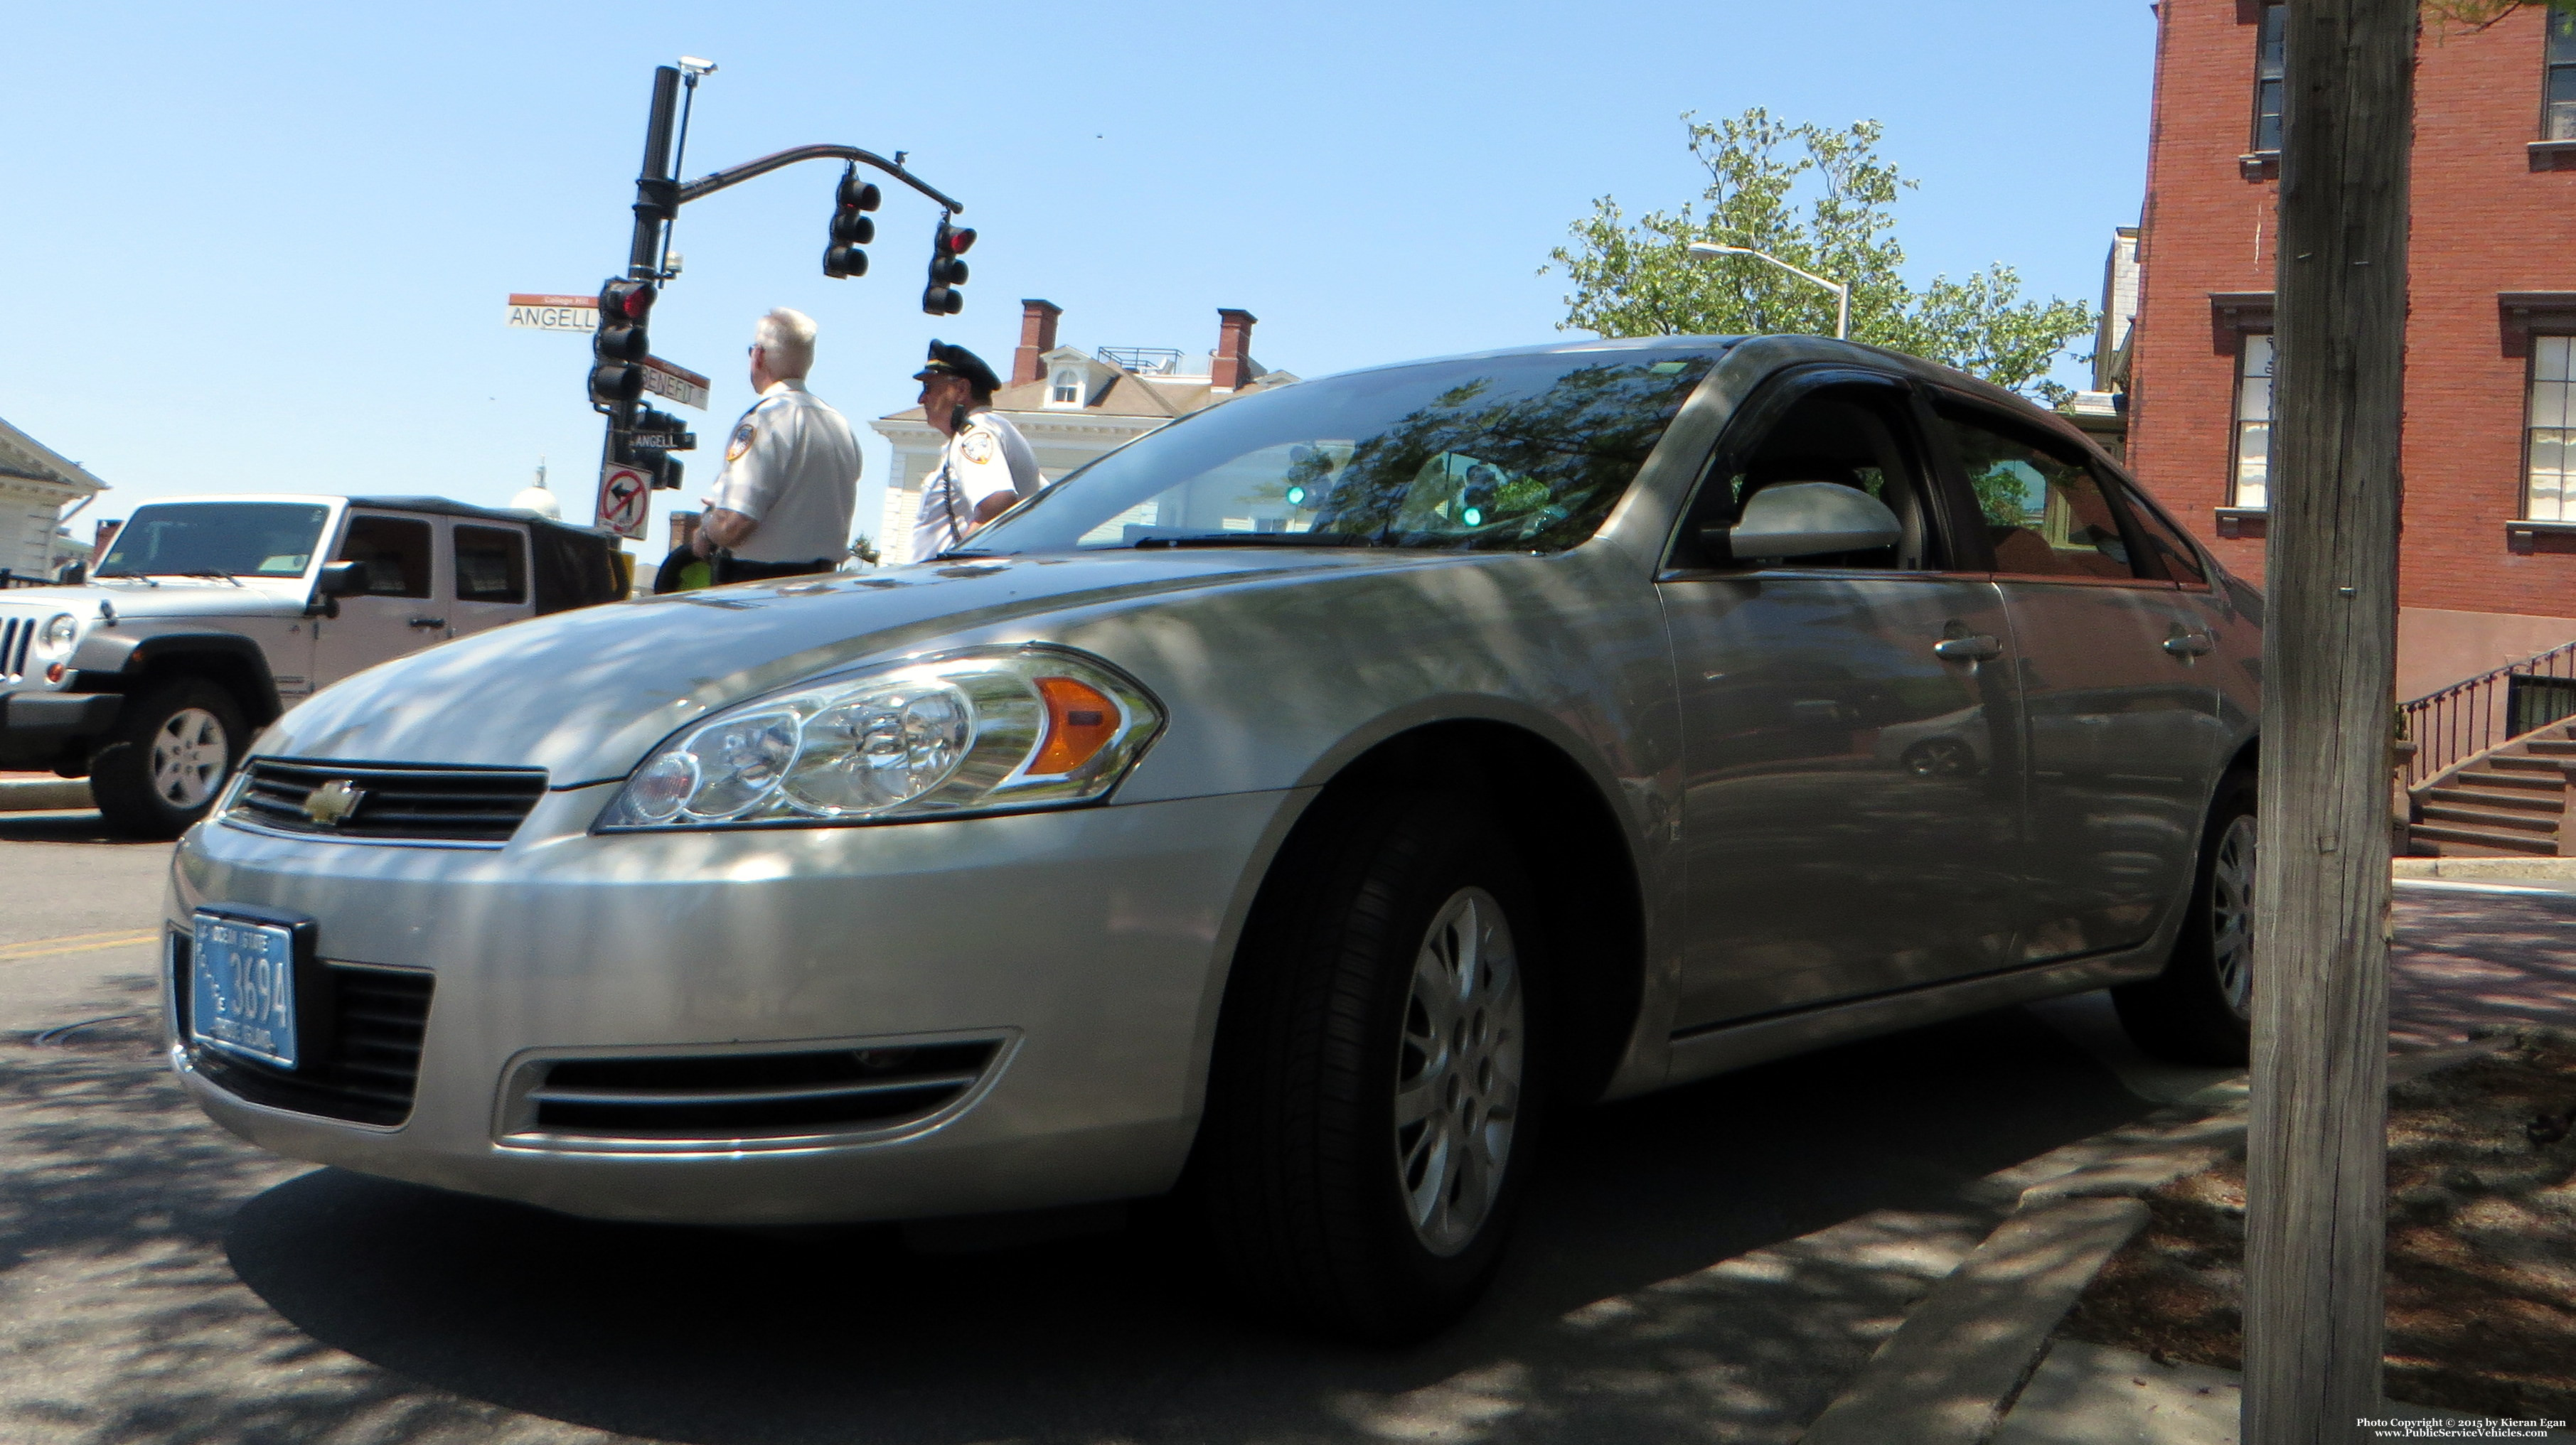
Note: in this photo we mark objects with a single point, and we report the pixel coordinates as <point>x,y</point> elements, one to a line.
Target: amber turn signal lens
<point>1080,722</point>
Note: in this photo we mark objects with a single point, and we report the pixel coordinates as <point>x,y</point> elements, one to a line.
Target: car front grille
<point>393,801</point>
<point>693,1099</point>
<point>363,1063</point>
<point>17,635</point>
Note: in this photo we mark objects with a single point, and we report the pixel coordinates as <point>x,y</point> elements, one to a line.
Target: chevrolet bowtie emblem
<point>331,804</point>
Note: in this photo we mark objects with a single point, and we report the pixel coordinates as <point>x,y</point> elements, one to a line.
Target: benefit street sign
<point>663,378</point>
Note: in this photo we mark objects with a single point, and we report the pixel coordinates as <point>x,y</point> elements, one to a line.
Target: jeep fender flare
<point>109,662</point>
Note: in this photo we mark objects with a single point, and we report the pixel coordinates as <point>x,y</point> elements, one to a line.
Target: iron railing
<point>2467,718</point>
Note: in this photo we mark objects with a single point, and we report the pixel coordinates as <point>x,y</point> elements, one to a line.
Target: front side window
<point>1517,452</point>
<point>491,566</point>
<point>396,551</point>
<point>2044,510</point>
<point>2253,462</point>
<point>2549,477</point>
<point>233,539</point>
<point>2268,90</point>
<point>2558,118</point>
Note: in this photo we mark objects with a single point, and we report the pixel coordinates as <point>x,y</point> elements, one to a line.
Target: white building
<point>1074,405</point>
<point>39,490</point>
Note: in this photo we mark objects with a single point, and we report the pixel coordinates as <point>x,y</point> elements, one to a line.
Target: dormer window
<point>1067,390</point>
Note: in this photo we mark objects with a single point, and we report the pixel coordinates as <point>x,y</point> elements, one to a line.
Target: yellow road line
<point>72,943</point>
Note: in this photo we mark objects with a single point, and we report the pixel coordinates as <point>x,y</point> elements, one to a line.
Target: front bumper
<point>36,727</point>
<point>1094,940</point>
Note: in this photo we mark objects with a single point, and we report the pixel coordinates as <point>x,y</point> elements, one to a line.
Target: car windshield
<point>1524,453</point>
<point>242,539</point>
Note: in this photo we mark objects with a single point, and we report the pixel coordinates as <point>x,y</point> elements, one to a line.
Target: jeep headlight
<point>58,632</point>
<point>985,730</point>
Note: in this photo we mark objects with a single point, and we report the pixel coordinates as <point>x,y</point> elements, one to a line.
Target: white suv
<point>210,616</point>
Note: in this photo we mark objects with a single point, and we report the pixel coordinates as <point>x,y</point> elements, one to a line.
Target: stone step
<point>2477,842</point>
<point>2519,799</point>
<point>2493,819</point>
<point>2529,764</point>
<point>2553,780</point>
<point>2554,747</point>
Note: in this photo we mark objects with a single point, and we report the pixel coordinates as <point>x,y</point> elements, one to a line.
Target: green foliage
<point>1640,279</point>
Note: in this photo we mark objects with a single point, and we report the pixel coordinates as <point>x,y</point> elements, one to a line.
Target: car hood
<point>164,598</point>
<point>584,694</point>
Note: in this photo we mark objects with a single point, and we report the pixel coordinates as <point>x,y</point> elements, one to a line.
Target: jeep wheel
<point>2200,1010</point>
<point>166,762</point>
<point>1377,1088</point>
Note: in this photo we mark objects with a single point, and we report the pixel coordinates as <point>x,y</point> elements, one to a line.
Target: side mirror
<point>1807,519</point>
<point>337,580</point>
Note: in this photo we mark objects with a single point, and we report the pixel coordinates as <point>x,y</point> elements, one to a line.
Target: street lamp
<point>1841,289</point>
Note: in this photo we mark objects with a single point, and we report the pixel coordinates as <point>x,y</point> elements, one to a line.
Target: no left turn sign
<point>624,495</point>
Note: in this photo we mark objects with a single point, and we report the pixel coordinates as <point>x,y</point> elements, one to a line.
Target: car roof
<point>437,506</point>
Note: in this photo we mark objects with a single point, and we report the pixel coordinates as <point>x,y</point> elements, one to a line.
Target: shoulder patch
<point>741,441</point>
<point>976,446</point>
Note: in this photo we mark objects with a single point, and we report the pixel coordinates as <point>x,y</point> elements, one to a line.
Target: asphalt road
<point>1710,1264</point>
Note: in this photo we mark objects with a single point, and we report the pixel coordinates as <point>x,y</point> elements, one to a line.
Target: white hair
<point>787,338</point>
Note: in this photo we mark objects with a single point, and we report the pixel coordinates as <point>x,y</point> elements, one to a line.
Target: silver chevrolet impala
<point>1294,809</point>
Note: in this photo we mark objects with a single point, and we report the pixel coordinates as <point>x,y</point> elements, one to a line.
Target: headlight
<point>59,631</point>
<point>985,730</point>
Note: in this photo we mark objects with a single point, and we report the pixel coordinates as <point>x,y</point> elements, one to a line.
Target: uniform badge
<point>740,443</point>
<point>976,447</point>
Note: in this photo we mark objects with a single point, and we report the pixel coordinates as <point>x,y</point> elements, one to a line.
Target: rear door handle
<point>429,622</point>
<point>2189,644</point>
<point>1976,648</point>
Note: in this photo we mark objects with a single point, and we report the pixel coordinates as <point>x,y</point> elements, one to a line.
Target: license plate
<point>241,988</point>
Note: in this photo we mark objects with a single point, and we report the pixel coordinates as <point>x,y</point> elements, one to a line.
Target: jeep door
<point>1852,789</point>
<point>398,612</point>
<point>2124,733</point>
<point>488,572</point>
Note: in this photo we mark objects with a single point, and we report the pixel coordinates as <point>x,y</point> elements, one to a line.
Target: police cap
<point>947,360</point>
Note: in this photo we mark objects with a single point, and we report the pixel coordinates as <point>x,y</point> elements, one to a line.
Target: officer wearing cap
<point>986,465</point>
<point>782,506</point>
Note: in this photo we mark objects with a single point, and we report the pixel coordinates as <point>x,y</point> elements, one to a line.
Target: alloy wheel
<point>2231,915</point>
<point>189,756</point>
<point>1459,1071</point>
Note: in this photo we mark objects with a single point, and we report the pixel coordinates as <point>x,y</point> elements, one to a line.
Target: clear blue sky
<point>267,247</point>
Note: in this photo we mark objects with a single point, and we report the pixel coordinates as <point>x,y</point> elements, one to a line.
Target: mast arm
<point>715,181</point>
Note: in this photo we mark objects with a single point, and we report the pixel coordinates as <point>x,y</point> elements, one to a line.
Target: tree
<point>1823,200</point>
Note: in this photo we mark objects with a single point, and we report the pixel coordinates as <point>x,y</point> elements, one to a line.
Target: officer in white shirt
<point>986,466</point>
<point>782,506</point>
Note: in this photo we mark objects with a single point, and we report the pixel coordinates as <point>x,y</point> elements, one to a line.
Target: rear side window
<point>396,551</point>
<point>2169,553</point>
<point>2044,510</point>
<point>491,565</point>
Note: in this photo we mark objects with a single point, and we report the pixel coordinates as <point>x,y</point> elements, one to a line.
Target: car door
<point>2123,727</point>
<point>1851,815</point>
<point>488,571</point>
<point>398,612</point>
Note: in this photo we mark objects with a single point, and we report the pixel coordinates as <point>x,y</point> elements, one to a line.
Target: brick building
<point>1074,405</point>
<point>2488,571</point>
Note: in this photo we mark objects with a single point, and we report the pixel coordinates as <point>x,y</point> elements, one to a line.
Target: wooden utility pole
<point>2316,1176</point>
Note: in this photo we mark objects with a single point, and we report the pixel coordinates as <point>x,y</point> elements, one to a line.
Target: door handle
<point>429,622</point>
<point>2189,644</point>
<point>1976,648</point>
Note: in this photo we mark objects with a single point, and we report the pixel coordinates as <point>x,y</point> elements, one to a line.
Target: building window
<point>1068,389</point>
<point>2268,90</point>
<point>2253,421</point>
<point>2558,121</point>
<point>2549,464</point>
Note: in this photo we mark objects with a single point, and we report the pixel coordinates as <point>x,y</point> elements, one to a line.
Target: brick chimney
<point>1232,365</point>
<point>101,538</point>
<point>1037,338</point>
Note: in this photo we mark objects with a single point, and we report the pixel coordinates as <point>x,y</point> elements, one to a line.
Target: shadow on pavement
<point>83,827</point>
<point>2466,960</point>
<point>1706,1264</point>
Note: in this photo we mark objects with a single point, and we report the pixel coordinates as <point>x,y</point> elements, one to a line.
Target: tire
<point>173,749</point>
<point>1366,1142</point>
<point>2200,1010</point>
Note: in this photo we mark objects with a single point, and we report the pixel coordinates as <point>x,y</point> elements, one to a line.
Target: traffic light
<point>851,227</point>
<point>619,345</point>
<point>658,434</point>
<point>947,272</point>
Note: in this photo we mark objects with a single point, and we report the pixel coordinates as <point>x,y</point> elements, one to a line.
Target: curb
<point>42,793</point>
<point>1958,1363</point>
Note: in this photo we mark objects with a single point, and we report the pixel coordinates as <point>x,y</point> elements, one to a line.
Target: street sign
<point>541,312</point>
<point>680,384</point>
<point>625,494</point>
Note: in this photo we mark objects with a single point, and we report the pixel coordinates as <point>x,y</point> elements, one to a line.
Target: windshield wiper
<point>127,576</point>
<point>1257,539</point>
<point>211,572</point>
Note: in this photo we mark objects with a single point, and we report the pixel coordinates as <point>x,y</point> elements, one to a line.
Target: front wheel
<point>2200,1010</point>
<point>167,761</point>
<point>1374,1103</point>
